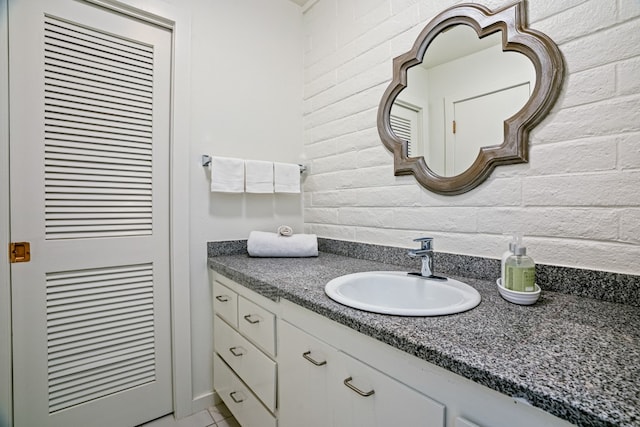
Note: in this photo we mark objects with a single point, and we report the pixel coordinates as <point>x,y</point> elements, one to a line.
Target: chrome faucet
<point>426,252</point>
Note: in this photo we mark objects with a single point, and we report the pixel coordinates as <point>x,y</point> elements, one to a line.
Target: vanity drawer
<point>255,368</point>
<point>242,403</point>
<point>225,303</point>
<point>257,324</point>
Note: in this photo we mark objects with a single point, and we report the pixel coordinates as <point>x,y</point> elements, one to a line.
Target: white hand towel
<point>258,176</point>
<point>227,175</point>
<point>264,244</point>
<point>286,177</point>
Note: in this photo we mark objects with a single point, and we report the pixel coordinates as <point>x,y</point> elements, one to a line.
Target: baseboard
<point>204,401</point>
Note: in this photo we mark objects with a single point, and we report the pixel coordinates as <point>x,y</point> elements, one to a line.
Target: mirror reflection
<point>457,99</point>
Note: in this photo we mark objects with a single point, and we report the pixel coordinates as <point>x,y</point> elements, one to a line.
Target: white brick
<point>629,151</point>
<point>592,255</point>
<point>376,156</point>
<point>630,225</point>
<point>589,86</point>
<point>542,9</point>
<point>366,120</point>
<point>585,155</point>
<point>387,236</point>
<point>366,217</point>
<point>437,219</point>
<point>344,90</point>
<point>584,223</point>
<point>333,231</point>
<point>398,6</point>
<point>381,176</point>
<point>603,47</point>
<point>492,192</point>
<point>320,149</point>
<point>364,138</point>
<point>354,104</point>
<point>591,16</point>
<point>628,9</point>
<point>320,28</point>
<point>402,43</point>
<point>628,76</point>
<point>602,118</point>
<point>333,129</point>
<point>577,197</point>
<point>336,198</point>
<point>404,195</point>
<point>329,181</point>
<point>605,189</point>
<point>320,84</point>
<point>364,62</point>
<point>350,142</point>
<point>368,14</point>
<point>334,163</point>
<point>489,246</point>
<point>321,215</point>
<point>429,9</point>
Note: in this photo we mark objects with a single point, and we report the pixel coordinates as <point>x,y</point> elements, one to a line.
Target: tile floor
<point>215,416</point>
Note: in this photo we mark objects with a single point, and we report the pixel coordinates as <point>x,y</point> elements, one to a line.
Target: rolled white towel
<point>265,244</point>
<point>285,230</point>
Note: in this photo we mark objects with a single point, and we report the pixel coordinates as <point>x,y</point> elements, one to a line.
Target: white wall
<point>577,200</point>
<point>246,102</point>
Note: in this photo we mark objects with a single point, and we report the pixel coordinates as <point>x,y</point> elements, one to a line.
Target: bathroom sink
<point>398,293</point>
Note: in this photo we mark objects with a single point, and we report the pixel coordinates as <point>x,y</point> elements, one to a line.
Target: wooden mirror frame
<point>516,37</point>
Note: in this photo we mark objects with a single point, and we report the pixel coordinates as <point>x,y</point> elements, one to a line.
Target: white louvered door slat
<point>90,133</point>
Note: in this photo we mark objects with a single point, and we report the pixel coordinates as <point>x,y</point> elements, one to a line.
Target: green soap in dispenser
<point>520,271</point>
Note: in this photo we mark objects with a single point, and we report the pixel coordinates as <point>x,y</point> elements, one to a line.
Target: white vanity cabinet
<point>278,364</point>
<point>307,369</point>
<point>321,386</point>
<point>244,350</point>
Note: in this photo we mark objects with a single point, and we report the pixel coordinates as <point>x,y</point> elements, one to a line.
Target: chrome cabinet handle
<point>236,351</point>
<point>310,359</point>
<point>250,320</point>
<point>222,298</point>
<point>233,396</point>
<point>347,382</point>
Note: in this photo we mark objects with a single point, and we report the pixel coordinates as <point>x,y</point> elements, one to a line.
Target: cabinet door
<point>365,397</point>
<point>305,368</point>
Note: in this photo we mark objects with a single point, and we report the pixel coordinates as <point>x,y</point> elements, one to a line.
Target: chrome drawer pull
<point>233,396</point>
<point>236,351</point>
<point>222,298</point>
<point>250,320</point>
<point>347,382</point>
<point>306,356</point>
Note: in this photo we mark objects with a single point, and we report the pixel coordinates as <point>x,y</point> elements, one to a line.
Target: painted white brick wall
<point>577,200</point>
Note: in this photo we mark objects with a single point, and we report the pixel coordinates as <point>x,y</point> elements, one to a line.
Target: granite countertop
<point>577,358</point>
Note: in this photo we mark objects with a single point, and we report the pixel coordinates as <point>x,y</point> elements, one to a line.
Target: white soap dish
<point>516,297</point>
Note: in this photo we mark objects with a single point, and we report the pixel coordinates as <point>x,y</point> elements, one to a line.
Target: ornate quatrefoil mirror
<point>464,98</point>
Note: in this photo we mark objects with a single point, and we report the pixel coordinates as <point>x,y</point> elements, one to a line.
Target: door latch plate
<point>19,252</point>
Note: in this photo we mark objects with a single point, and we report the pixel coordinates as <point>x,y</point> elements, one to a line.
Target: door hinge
<point>19,252</point>
<point>454,126</point>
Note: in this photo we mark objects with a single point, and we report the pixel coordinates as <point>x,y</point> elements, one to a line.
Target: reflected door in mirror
<point>477,121</point>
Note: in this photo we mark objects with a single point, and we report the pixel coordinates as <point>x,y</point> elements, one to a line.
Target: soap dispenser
<point>520,271</point>
<point>515,240</point>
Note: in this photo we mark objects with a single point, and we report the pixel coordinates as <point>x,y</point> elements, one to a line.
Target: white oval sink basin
<point>393,292</point>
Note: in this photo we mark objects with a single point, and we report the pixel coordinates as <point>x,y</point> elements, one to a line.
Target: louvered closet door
<point>90,108</point>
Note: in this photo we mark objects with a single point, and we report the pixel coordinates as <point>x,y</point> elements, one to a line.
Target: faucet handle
<point>426,243</point>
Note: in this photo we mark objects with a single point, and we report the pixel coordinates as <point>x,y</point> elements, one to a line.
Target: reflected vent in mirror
<point>405,124</point>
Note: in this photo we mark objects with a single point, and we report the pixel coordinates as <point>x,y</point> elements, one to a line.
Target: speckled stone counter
<point>577,358</point>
